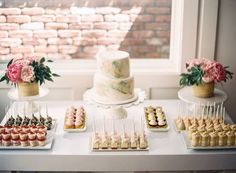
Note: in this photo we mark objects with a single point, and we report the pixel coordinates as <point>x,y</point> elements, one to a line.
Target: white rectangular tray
<point>48,142</point>
<point>75,130</point>
<point>189,146</point>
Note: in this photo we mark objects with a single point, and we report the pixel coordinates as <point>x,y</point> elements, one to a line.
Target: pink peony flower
<point>23,61</point>
<point>14,72</point>
<point>27,73</point>
<point>219,72</point>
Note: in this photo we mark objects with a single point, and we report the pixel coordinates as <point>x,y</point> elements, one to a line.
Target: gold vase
<point>203,90</point>
<point>27,89</point>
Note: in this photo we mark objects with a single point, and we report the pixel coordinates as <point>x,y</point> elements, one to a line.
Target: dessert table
<point>71,151</point>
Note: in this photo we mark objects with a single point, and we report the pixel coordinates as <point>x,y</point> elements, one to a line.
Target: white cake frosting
<point>114,64</point>
<point>113,82</point>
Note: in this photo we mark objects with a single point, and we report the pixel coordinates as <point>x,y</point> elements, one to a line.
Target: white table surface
<point>70,151</point>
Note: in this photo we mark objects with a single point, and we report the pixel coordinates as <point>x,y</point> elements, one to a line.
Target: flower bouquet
<point>202,74</point>
<point>27,74</point>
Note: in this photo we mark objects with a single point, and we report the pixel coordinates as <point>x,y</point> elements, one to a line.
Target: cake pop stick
<point>123,124</point>
<point>221,110</point>
<point>224,115</point>
<point>203,111</point>
<point>94,127</point>
<point>217,111</point>
<point>214,111</point>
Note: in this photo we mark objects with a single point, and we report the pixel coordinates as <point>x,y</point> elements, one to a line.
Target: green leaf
<point>3,78</point>
<point>55,75</point>
<point>10,62</point>
<point>42,60</point>
<point>49,60</point>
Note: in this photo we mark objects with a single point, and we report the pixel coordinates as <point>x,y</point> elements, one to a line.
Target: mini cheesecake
<point>17,129</point>
<point>42,129</point>
<point>8,129</point>
<point>6,136</point>
<point>33,142</point>
<point>26,129</point>
<point>34,129</point>
<point>15,142</point>
<point>24,143</point>
<point>41,142</point>
<point>14,135</point>
<point>6,142</point>
<point>41,135</point>
<point>31,135</point>
<point>23,136</point>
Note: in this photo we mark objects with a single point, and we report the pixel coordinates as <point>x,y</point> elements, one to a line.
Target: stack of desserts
<point>25,135</point>
<point>115,141</point>
<point>75,118</point>
<point>155,117</point>
<point>212,133</point>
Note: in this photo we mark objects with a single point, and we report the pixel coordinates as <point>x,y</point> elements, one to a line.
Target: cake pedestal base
<point>115,111</point>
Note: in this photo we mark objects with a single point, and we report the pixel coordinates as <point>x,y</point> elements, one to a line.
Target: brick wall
<point>80,28</point>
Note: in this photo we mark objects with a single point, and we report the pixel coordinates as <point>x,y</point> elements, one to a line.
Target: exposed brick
<point>93,49</point>
<point>59,11</point>
<point>84,41</point>
<point>58,56</point>
<point>82,55</point>
<point>9,26</point>
<point>43,18</point>
<point>22,49</point>
<point>68,49</point>
<point>82,10</point>
<point>163,34</point>
<point>158,10</point>
<point>94,33</point>
<point>45,33</point>
<point>11,56</point>
<point>107,10</point>
<point>10,42</point>
<point>35,54</point>
<point>133,10</point>
<point>18,19</point>
<point>133,41</point>
<point>142,34</point>
<point>117,33</point>
<point>33,11</point>
<point>163,18</point>
<point>32,26</point>
<point>113,47</point>
<point>108,41</point>
<point>20,33</point>
<point>4,50</point>
<point>34,41</point>
<point>122,18</point>
<point>69,33</point>
<point>3,19</point>
<point>125,26</point>
<point>68,18</point>
<point>153,55</point>
<point>46,49</point>
<point>143,48</point>
<point>56,26</point>
<point>60,41</point>
<point>157,26</point>
<point>163,2</point>
<point>81,25</point>
<point>106,25</point>
<point>3,34</point>
<point>141,18</point>
<point>92,18</point>
<point>10,11</point>
<point>154,41</point>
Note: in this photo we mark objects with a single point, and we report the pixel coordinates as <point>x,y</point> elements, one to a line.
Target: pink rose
<point>27,73</point>
<point>23,61</point>
<point>14,72</point>
<point>218,72</point>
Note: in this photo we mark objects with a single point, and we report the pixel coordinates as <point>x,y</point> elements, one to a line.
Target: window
<point>78,29</point>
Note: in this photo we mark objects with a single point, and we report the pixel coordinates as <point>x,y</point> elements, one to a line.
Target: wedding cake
<point>112,81</point>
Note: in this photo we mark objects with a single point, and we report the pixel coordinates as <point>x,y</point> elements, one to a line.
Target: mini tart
<point>6,142</point>
<point>6,136</point>
<point>15,142</point>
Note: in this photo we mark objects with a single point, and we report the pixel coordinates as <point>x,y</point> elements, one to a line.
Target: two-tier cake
<point>112,81</point>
